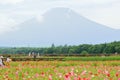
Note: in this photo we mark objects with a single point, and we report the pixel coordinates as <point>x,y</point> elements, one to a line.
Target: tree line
<point>105,48</point>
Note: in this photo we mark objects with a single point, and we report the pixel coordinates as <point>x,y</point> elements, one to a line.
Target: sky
<point>14,12</point>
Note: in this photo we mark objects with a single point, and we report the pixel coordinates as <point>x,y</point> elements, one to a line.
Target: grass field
<point>68,58</point>
<point>61,70</point>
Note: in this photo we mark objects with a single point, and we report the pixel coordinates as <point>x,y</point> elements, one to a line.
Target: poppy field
<point>61,70</point>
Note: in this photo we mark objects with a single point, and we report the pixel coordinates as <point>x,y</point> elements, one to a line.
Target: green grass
<point>93,58</point>
<point>96,58</point>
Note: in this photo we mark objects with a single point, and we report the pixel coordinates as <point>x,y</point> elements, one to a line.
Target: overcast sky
<point>13,12</point>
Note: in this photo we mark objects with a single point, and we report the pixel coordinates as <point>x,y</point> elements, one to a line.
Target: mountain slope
<point>60,26</point>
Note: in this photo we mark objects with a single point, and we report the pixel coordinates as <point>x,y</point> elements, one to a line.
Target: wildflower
<point>117,74</point>
<point>50,77</point>
<point>67,77</point>
<point>84,72</point>
<point>42,74</point>
<point>36,75</point>
<point>118,78</point>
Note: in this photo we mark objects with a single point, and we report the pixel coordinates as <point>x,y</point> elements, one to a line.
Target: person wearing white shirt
<point>1,61</point>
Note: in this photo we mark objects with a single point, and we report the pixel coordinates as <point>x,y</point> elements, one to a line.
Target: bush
<point>84,53</point>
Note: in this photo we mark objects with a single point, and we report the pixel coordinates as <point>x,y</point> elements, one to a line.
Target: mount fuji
<point>59,26</point>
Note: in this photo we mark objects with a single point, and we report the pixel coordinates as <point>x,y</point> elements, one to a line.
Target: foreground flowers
<point>58,70</point>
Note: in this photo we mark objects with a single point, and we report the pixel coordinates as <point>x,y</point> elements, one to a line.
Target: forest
<point>104,48</point>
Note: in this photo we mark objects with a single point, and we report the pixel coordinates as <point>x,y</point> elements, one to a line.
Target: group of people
<point>2,62</point>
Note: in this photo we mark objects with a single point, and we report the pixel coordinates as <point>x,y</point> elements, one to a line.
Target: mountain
<point>59,26</point>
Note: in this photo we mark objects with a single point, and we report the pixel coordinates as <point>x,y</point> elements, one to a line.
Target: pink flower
<point>36,75</point>
<point>16,73</point>
<point>118,78</point>
<point>50,77</point>
<point>84,72</point>
<point>43,74</point>
<point>67,77</point>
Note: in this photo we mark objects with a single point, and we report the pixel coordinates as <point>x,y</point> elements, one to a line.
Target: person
<point>34,56</point>
<point>8,60</point>
<point>1,61</point>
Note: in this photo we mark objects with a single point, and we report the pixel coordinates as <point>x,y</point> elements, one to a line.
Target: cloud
<point>83,2</point>
<point>10,1</point>
<point>107,14</point>
<point>6,24</point>
<point>40,18</point>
